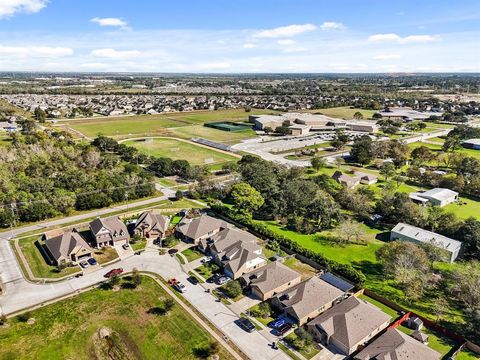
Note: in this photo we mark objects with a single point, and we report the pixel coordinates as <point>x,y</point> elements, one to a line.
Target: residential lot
<point>181,150</point>
<point>75,323</point>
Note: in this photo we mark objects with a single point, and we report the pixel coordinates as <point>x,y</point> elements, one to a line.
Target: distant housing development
<point>402,231</point>
<point>407,113</point>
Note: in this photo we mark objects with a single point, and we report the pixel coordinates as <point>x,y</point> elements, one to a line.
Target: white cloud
<point>417,39</point>
<point>10,7</point>
<point>384,37</point>
<point>285,42</point>
<point>214,66</point>
<point>403,40</point>
<point>386,57</point>
<point>330,25</point>
<point>249,45</point>
<point>285,31</point>
<point>35,51</point>
<point>115,54</point>
<point>115,22</point>
<point>294,49</point>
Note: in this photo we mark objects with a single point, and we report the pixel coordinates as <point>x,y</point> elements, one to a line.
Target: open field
<point>181,150</point>
<point>4,140</point>
<point>144,125</point>
<point>438,148</point>
<point>224,137</point>
<point>5,105</point>
<point>68,329</point>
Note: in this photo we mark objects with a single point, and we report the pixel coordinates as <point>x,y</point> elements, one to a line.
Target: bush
<point>179,195</point>
<point>232,289</point>
<point>24,317</point>
<point>262,310</point>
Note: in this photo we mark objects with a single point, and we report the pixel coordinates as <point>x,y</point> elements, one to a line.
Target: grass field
<point>191,254</point>
<point>68,329</point>
<point>5,140</point>
<point>344,112</point>
<point>144,125</point>
<point>224,137</point>
<point>438,149</point>
<point>181,150</point>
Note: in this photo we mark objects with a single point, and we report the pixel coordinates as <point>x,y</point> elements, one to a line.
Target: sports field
<point>145,125</point>
<point>69,329</point>
<point>181,150</point>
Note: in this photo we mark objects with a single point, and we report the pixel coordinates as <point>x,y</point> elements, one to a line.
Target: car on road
<point>172,251</point>
<point>193,280</point>
<point>172,281</point>
<point>282,330</point>
<point>92,261</point>
<point>114,272</point>
<point>84,264</point>
<point>79,275</point>
<point>222,280</point>
<point>246,324</point>
<point>125,246</point>
<point>206,259</point>
<point>180,287</point>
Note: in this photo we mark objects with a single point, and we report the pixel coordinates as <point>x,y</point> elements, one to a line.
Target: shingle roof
<point>227,237</point>
<point>239,254</point>
<point>350,321</point>
<point>201,226</point>
<point>151,220</point>
<point>271,276</point>
<point>65,244</point>
<point>308,296</point>
<point>395,345</point>
<point>113,224</point>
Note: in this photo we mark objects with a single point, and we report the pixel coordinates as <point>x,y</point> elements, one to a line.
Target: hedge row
<point>345,270</point>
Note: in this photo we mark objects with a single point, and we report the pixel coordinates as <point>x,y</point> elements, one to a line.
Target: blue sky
<point>240,36</point>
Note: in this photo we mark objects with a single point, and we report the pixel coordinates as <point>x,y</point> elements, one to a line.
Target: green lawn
<point>191,254</point>
<point>5,140</point>
<point>145,125</point>
<point>138,245</point>
<point>181,150</point>
<point>224,137</point>
<point>39,267</point>
<point>304,269</point>
<point>438,148</point>
<point>344,112</point>
<point>206,270</point>
<point>68,329</point>
<point>307,352</point>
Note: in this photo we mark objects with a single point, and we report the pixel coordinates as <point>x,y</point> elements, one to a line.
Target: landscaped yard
<point>192,254</point>
<point>207,270</point>
<point>40,268</point>
<point>181,150</point>
<point>69,329</point>
<point>307,352</point>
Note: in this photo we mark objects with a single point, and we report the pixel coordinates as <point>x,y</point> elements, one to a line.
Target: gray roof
<point>396,345</point>
<point>472,141</point>
<point>426,236</point>
<point>227,237</point>
<point>440,194</point>
<point>63,245</point>
<point>351,321</point>
<point>236,257</point>
<point>309,296</point>
<point>151,220</point>
<point>271,276</point>
<point>113,224</point>
<point>336,281</point>
<point>201,226</point>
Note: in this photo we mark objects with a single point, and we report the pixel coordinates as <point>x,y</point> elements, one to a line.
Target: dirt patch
<point>108,344</point>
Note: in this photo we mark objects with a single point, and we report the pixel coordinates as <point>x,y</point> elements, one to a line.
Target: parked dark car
<point>277,323</point>
<point>92,261</point>
<point>246,325</point>
<point>282,329</point>
<point>193,280</point>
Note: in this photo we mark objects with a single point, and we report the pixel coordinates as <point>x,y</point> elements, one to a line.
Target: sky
<point>240,36</point>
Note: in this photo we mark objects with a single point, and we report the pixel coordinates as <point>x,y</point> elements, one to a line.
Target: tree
<point>168,305</point>
<point>351,231</point>
<point>452,143</point>
<point>282,130</point>
<point>232,289</point>
<point>323,212</point>
<point>179,195</point>
<point>339,141</point>
<point>387,170</point>
<point>136,277</point>
<point>376,116</point>
<point>466,284</point>
<point>246,198</point>
<point>398,207</point>
<point>407,264</point>
<point>39,115</point>
<point>318,163</point>
<point>440,306</point>
<point>362,150</point>
<point>358,115</point>
<point>422,155</point>
<point>469,234</point>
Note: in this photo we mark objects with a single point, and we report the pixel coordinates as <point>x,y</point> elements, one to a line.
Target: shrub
<point>232,289</point>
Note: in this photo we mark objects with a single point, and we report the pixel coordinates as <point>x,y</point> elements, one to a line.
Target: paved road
<point>21,294</point>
